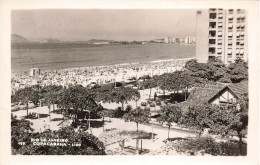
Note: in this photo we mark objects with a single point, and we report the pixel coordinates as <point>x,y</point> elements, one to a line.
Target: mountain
<point>17,38</point>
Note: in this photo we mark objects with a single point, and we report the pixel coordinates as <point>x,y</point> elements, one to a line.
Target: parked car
<point>143,104</point>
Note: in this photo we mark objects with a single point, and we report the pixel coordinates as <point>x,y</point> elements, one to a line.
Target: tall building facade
<point>221,34</point>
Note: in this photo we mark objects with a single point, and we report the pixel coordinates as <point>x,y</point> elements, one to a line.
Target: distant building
<point>221,34</point>
<point>35,73</point>
<point>166,40</point>
<point>174,40</point>
<point>186,40</point>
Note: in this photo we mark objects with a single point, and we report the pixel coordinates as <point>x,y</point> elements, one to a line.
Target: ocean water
<point>51,56</point>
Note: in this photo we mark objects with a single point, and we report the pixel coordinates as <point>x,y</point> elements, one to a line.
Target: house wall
<point>227,96</point>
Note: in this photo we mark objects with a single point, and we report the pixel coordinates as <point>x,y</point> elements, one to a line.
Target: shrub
<point>210,146</point>
<point>119,113</point>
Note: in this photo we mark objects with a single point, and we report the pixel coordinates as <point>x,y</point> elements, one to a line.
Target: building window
<point>212,50</point>
<point>237,43</point>
<point>212,33</point>
<point>212,41</point>
<point>212,24</point>
<point>212,9</point>
<point>211,58</point>
<point>230,26</point>
<point>212,15</point>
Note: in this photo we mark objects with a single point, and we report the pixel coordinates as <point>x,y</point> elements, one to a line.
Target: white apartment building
<point>221,34</point>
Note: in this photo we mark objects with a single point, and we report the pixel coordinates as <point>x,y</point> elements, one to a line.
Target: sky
<point>113,24</point>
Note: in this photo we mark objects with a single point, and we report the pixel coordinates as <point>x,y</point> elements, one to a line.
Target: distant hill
<point>17,38</point>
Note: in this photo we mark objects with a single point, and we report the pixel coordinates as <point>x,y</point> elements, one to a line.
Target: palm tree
<point>169,115</point>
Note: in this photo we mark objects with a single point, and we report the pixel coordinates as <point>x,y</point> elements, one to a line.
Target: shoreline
<point>108,65</point>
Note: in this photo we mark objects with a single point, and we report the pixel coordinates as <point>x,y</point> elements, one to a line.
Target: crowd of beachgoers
<point>91,75</point>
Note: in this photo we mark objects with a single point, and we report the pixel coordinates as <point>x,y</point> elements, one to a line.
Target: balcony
<point>230,34</point>
<point>229,52</point>
<point>237,51</point>
<point>230,17</point>
<point>230,43</point>
<point>219,34</point>
<point>219,51</point>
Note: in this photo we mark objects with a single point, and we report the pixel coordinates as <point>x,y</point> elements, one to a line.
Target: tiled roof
<point>201,95</point>
<point>239,88</point>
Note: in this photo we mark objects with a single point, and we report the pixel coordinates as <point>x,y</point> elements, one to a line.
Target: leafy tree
<point>238,71</point>
<point>123,95</point>
<point>90,145</point>
<point>51,94</point>
<point>231,120</point>
<point>25,95</point>
<point>150,83</point>
<point>19,132</point>
<point>169,114</point>
<point>222,121</point>
<point>162,81</point>
<point>78,98</point>
<point>198,117</point>
<point>137,115</point>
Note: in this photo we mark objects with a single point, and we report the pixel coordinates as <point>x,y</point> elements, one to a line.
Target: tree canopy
<point>169,114</point>
<point>21,132</point>
<point>25,95</point>
<point>138,115</point>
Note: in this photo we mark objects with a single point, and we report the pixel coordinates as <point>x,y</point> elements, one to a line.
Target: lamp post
<point>151,124</point>
<point>39,108</point>
<point>88,119</point>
